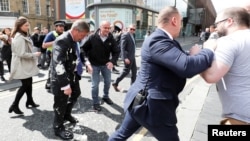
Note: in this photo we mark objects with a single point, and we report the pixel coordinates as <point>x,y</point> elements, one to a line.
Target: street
<point>37,123</point>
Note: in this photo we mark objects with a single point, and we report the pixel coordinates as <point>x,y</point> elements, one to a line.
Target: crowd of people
<point>164,69</point>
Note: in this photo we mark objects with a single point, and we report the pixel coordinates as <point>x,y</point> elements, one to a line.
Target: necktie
<point>79,62</point>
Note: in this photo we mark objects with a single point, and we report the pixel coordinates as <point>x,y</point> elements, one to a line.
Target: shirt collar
<point>169,35</point>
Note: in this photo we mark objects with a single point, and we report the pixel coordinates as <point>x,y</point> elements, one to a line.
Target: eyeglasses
<point>132,29</point>
<point>216,24</point>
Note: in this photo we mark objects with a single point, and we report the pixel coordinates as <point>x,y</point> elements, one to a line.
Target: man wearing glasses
<point>128,47</point>
<point>230,69</point>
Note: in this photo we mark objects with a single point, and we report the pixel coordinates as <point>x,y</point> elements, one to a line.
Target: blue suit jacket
<point>167,66</point>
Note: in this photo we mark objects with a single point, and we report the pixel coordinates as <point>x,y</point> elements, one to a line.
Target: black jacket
<point>35,40</point>
<point>63,61</point>
<point>98,52</point>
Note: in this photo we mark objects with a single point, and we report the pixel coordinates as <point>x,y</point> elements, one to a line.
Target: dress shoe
<point>2,78</point>
<point>108,101</point>
<point>97,107</point>
<point>31,105</point>
<point>64,134</point>
<point>115,71</point>
<point>15,109</point>
<point>71,119</point>
<point>116,87</point>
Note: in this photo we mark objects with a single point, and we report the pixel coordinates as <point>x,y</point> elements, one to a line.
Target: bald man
<point>162,76</point>
<point>102,53</point>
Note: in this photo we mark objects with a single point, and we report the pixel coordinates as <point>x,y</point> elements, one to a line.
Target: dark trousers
<point>25,88</point>
<point>126,69</point>
<point>63,104</point>
<point>130,125</point>
<point>43,59</point>
<point>1,68</point>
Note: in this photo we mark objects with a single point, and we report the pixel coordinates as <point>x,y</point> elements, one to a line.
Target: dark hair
<point>18,24</point>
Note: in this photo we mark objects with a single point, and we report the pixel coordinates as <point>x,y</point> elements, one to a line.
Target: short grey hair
<point>80,25</point>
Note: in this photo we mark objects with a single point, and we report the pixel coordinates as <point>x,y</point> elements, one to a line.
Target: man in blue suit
<point>164,69</point>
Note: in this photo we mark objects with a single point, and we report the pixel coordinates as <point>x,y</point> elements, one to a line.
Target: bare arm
<point>217,70</point>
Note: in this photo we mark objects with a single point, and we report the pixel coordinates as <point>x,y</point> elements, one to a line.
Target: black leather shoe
<point>116,87</point>
<point>115,71</point>
<point>71,119</point>
<point>108,101</point>
<point>31,105</point>
<point>15,109</point>
<point>97,107</point>
<point>2,78</point>
<point>64,134</point>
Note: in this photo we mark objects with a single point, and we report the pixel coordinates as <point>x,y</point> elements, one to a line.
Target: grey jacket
<point>23,62</point>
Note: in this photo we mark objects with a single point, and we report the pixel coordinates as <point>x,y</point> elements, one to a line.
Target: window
<point>25,6</point>
<point>37,6</point>
<point>4,6</point>
<point>48,8</point>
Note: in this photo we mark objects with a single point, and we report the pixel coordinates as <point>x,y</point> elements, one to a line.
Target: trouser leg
<point>21,91</point>
<point>127,128</point>
<point>1,68</point>
<point>133,71</point>
<point>76,92</point>
<point>29,91</point>
<point>124,73</point>
<point>60,106</point>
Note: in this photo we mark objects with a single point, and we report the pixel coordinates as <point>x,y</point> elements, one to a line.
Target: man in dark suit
<point>128,47</point>
<point>164,69</point>
<point>65,76</point>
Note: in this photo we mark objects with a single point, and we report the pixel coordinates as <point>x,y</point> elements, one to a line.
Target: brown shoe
<point>116,87</point>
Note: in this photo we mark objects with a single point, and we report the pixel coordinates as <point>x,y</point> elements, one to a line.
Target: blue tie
<point>79,62</point>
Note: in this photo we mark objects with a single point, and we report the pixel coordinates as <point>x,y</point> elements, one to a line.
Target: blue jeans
<point>106,73</point>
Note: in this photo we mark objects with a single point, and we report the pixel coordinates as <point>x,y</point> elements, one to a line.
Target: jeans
<point>106,73</point>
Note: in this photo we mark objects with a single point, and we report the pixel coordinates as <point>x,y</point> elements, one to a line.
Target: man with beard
<point>230,69</point>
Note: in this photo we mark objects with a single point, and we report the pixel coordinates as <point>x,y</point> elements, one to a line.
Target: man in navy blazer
<point>128,47</point>
<point>164,69</point>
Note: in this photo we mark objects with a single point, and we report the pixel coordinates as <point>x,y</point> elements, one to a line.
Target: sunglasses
<point>132,29</point>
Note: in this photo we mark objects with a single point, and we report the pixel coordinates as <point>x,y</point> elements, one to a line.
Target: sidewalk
<point>198,110</point>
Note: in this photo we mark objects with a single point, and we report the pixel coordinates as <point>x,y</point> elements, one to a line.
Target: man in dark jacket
<point>98,48</point>
<point>164,69</point>
<point>36,44</point>
<point>65,75</point>
<point>128,47</point>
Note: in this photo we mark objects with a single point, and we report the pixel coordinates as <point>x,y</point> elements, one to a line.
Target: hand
<point>68,91</point>
<point>37,54</point>
<point>89,69</point>
<point>210,44</point>
<point>109,65</point>
<point>194,49</point>
<point>127,61</point>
